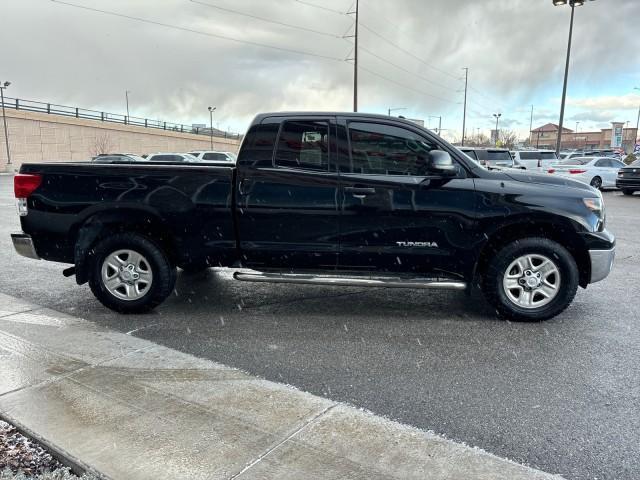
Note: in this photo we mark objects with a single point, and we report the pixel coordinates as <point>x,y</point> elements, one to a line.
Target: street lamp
<point>497,115</point>
<point>573,4</point>
<point>439,123</point>
<point>4,120</point>
<point>126,96</point>
<point>211,110</point>
<point>395,110</point>
<point>637,124</point>
<point>575,135</point>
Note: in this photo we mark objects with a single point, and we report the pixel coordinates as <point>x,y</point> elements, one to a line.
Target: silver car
<point>599,172</point>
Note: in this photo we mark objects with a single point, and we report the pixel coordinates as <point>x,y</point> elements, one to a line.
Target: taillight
<point>25,184</point>
<point>551,170</point>
<point>577,171</point>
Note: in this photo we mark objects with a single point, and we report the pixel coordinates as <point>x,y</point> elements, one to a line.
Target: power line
<point>425,79</point>
<point>407,52</point>
<point>320,7</point>
<point>406,86</point>
<point>199,32</point>
<point>256,17</point>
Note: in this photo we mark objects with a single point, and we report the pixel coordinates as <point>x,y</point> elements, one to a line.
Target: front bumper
<point>601,263</point>
<point>24,245</point>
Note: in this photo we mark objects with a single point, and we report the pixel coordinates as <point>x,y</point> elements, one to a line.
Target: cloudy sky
<point>177,57</point>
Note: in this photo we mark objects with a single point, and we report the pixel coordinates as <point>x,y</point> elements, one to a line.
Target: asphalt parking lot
<point>562,396</point>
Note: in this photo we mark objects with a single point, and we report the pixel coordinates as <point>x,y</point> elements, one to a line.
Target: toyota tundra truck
<point>340,199</point>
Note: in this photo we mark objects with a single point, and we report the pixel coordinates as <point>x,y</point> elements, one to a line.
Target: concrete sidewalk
<point>131,409</point>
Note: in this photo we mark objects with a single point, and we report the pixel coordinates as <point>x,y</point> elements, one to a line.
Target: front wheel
<point>130,273</point>
<point>532,279</point>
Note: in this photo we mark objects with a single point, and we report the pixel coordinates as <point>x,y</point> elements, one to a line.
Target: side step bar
<point>344,281</point>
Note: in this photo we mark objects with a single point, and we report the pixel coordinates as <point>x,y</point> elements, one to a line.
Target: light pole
<point>573,4</point>
<point>126,96</point>
<point>464,112</point>
<point>211,110</point>
<point>531,126</point>
<point>575,135</point>
<point>637,124</point>
<point>4,120</point>
<point>439,123</point>
<point>497,115</point>
<point>397,109</point>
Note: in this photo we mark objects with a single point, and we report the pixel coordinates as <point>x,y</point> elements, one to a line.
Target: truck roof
<point>261,116</point>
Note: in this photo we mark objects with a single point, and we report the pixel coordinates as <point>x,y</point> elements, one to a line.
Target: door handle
<point>360,192</point>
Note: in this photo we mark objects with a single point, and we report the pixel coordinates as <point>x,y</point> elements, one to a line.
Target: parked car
<point>629,178</point>
<point>172,158</point>
<point>342,199</point>
<point>118,158</point>
<point>599,172</point>
<point>211,156</point>
<point>534,159</point>
<point>489,157</point>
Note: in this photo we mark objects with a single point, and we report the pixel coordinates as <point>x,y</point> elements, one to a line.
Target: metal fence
<point>54,109</point>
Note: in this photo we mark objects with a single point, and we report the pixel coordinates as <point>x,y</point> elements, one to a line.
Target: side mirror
<point>440,163</point>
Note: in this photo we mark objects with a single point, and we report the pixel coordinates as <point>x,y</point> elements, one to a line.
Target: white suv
<point>535,159</point>
<point>211,156</point>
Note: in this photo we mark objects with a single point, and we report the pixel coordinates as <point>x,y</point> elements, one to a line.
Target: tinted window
<point>617,164</point>
<point>386,150</point>
<point>528,156</point>
<point>304,144</point>
<point>575,161</point>
<point>220,157</point>
<point>603,163</point>
<point>548,155</point>
<point>471,153</point>
<point>499,155</point>
<point>166,158</point>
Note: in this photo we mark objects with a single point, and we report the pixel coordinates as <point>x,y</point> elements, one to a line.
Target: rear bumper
<point>24,245</point>
<point>628,183</point>
<point>601,263</point>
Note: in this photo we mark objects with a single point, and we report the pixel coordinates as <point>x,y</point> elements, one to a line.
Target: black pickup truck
<point>320,198</point>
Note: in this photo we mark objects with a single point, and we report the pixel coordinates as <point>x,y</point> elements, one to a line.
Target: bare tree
<point>508,139</point>
<point>102,144</point>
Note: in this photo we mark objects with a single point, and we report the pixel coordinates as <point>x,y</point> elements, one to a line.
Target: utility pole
<point>4,120</point>
<point>497,115</point>
<point>211,110</point>
<point>355,57</point>
<point>464,115</point>
<point>126,95</point>
<point>566,78</point>
<point>635,140</point>
<point>439,123</point>
<point>531,126</point>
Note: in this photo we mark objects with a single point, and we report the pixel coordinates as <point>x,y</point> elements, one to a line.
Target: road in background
<point>562,396</point>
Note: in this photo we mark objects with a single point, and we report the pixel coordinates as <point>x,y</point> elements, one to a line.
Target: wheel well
<point>566,237</point>
<point>100,225</point>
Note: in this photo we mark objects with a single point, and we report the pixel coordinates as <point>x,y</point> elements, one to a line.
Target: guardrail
<point>54,109</point>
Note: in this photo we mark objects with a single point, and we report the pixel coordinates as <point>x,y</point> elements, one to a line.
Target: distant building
<point>546,136</point>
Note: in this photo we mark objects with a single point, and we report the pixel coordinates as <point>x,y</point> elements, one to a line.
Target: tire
<point>503,270</point>
<point>627,192</point>
<point>145,286</point>
<point>596,182</point>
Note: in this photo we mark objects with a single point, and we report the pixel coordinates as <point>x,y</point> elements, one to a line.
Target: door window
<point>220,157</point>
<point>603,163</point>
<point>304,144</point>
<point>387,150</point>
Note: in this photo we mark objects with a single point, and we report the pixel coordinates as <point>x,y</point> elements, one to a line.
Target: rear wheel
<point>627,192</point>
<point>596,183</point>
<point>130,273</point>
<point>532,279</point>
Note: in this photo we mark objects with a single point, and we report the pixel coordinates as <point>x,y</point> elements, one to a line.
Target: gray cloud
<point>514,49</point>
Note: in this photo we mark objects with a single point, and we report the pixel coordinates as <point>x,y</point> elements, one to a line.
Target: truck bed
<point>187,206</point>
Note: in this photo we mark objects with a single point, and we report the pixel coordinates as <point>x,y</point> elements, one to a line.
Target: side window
<point>304,144</point>
<point>603,163</point>
<point>387,150</point>
<point>220,157</point>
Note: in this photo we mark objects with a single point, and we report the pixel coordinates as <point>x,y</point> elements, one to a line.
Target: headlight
<point>596,205</point>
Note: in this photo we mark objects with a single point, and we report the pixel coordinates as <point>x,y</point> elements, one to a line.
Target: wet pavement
<point>561,396</point>
<point>130,409</point>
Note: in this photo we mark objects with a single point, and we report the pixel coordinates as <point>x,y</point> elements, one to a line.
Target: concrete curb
<point>119,406</point>
<point>74,464</point>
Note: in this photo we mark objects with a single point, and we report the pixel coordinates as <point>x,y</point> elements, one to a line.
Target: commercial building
<point>547,135</point>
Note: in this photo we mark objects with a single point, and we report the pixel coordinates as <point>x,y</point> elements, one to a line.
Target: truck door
<point>287,195</point>
<point>396,215</point>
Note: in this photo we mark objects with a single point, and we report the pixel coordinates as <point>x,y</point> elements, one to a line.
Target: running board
<point>344,281</point>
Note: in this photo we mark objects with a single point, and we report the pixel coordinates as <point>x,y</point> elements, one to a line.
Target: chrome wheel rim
<point>531,281</point>
<point>126,274</point>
